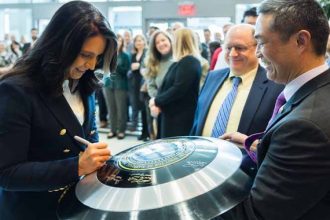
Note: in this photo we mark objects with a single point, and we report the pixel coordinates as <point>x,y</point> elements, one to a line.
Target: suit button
<point>67,150</point>
<point>63,132</point>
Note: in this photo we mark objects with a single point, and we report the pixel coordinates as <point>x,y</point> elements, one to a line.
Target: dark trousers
<point>102,106</point>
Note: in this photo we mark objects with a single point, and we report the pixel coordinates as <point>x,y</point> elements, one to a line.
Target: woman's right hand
<point>93,158</point>
<point>135,66</point>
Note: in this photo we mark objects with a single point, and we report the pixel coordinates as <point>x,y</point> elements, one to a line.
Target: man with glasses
<point>252,105</point>
<point>293,177</point>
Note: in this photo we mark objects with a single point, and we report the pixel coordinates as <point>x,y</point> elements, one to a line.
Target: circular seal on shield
<point>156,155</point>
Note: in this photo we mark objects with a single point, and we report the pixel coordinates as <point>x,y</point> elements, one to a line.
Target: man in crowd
<point>250,16</point>
<point>252,107</point>
<point>293,180</point>
<point>34,37</point>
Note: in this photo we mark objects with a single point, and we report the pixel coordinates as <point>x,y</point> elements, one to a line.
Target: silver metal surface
<point>214,185</point>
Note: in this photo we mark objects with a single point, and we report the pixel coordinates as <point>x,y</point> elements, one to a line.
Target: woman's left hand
<point>154,110</point>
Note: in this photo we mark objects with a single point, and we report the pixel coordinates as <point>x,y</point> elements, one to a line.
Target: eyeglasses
<point>238,48</point>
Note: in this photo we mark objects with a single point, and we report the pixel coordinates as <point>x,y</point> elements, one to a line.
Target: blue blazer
<point>39,156</point>
<point>257,110</point>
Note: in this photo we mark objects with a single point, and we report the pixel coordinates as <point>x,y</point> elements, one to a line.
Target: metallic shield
<point>173,178</point>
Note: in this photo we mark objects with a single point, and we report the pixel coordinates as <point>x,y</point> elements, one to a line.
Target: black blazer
<point>177,97</point>
<point>257,110</point>
<point>293,178</point>
<point>39,156</point>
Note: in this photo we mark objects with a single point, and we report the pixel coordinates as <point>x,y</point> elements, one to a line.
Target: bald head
<point>240,49</point>
<point>240,31</point>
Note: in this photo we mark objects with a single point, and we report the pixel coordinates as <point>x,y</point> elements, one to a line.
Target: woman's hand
<point>151,102</point>
<point>154,111</point>
<point>93,158</point>
<point>135,66</point>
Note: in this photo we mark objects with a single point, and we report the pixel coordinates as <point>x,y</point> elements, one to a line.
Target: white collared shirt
<point>75,102</point>
<point>292,87</point>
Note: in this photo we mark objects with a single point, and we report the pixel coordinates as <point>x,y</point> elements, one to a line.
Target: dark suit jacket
<point>293,178</point>
<point>38,157</point>
<point>26,47</point>
<point>257,110</point>
<point>177,97</point>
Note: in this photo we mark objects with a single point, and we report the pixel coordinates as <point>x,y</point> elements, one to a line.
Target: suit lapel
<point>312,85</point>
<point>89,105</point>
<point>61,110</point>
<point>209,95</point>
<point>253,101</point>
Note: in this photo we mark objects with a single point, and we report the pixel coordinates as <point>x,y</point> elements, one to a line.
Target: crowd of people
<point>155,68</point>
<point>11,49</point>
<point>144,63</point>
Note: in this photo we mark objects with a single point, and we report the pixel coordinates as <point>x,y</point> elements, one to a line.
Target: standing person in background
<point>221,61</point>
<point>293,177</point>
<point>204,62</point>
<point>250,16</point>
<point>115,91</point>
<point>103,111</point>
<point>205,52</point>
<point>151,31</point>
<point>46,99</point>
<point>15,50</point>
<point>135,83</point>
<point>215,50</point>
<point>158,61</point>
<point>5,56</point>
<point>177,97</point>
<point>34,37</point>
<point>218,36</point>
<point>176,26</point>
<point>128,42</point>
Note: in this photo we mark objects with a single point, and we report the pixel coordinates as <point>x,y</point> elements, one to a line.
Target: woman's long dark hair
<point>47,64</point>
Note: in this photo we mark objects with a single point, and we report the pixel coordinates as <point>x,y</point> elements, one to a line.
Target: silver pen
<point>81,140</point>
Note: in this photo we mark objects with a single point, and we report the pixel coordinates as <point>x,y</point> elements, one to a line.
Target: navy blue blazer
<point>257,110</point>
<point>39,156</point>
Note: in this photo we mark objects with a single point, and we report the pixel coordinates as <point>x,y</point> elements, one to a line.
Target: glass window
<point>42,1</point>
<point>123,18</point>
<point>16,23</point>
<point>215,25</point>
<point>63,1</point>
<point>14,1</point>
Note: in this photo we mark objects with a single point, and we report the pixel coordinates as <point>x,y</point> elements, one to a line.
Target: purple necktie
<point>280,101</point>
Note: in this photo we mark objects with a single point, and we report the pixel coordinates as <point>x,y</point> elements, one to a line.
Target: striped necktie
<point>221,121</point>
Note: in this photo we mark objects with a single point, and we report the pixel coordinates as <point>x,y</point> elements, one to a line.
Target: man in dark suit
<point>34,37</point>
<point>256,96</point>
<point>293,178</point>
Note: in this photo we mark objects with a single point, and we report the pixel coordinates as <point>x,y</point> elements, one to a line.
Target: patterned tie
<point>280,101</point>
<point>221,121</point>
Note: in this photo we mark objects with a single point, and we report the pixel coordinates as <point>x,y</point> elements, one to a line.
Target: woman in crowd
<point>115,90</point>
<point>158,61</point>
<point>204,61</point>
<point>46,99</point>
<point>135,82</point>
<point>177,97</point>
